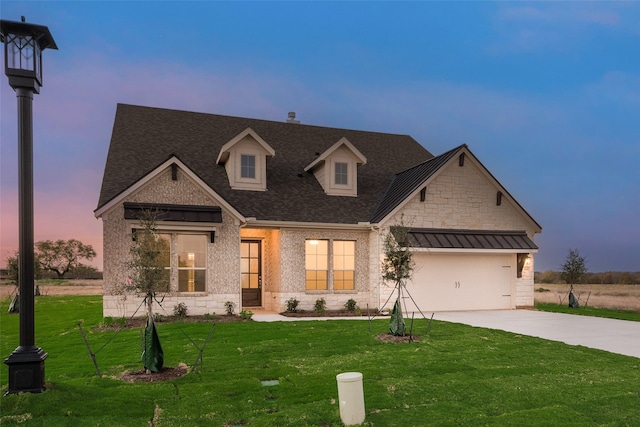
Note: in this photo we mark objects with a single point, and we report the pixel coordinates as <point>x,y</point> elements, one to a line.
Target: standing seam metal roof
<point>434,238</point>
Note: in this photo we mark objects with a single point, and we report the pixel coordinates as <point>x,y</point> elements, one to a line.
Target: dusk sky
<point>545,94</point>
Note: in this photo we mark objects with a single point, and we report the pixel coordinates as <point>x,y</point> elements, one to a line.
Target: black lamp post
<point>23,46</point>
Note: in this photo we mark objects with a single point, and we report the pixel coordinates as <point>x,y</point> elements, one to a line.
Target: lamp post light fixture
<point>23,46</point>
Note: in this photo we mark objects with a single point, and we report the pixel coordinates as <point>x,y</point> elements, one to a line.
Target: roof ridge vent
<point>291,118</point>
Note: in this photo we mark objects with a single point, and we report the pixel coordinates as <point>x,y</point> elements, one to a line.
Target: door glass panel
<point>250,265</point>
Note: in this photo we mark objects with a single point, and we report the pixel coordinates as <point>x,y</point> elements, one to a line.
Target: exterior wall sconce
<point>522,260</point>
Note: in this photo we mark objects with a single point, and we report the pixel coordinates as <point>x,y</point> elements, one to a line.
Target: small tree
<point>574,267</point>
<point>148,258</point>
<point>13,267</point>
<point>397,267</point>
<point>62,255</point>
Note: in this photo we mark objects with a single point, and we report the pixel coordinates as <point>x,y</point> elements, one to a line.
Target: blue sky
<point>546,94</point>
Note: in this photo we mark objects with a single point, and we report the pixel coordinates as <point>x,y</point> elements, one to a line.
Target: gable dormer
<point>337,169</point>
<point>245,159</point>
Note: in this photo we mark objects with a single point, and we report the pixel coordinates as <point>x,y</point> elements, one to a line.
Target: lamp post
<point>23,46</point>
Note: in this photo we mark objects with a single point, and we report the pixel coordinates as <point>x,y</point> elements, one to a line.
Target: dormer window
<point>342,175</point>
<point>245,160</point>
<point>247,166</point>
<point>337,169</point>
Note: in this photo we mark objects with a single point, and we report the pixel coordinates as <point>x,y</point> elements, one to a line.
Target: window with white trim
<point>247,166</point>
<point>341,173</point>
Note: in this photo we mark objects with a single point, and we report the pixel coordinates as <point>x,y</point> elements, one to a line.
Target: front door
<point>251,272</point>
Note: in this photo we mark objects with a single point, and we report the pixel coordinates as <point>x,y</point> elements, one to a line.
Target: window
<point>247,166</point>
<point>344,264</point>
<point>316,264</point>
<point>192,262</point>
<point>164,244</point>
<point>341,173</point>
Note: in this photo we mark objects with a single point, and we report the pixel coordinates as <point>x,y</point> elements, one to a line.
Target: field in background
<point>58,287</point>
<point>623,297</point>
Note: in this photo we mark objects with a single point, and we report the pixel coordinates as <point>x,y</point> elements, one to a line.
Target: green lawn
<point>457,376</point>
<point>591,311</point>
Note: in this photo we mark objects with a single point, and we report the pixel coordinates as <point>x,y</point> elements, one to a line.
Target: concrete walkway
<point>615,336</point>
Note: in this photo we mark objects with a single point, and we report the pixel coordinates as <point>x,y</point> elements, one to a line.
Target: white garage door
<point>444,282</point>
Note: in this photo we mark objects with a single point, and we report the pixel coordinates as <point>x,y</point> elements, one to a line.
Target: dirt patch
<point>140,322</point>
<point>395,339</point>
<point>71,287</point>
<point>622,297</point>
<point>166,373</point>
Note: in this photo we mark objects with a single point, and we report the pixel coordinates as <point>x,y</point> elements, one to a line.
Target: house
<point>257,212</point>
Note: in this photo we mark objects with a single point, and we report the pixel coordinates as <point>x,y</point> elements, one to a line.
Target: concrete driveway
<point>615,336</point>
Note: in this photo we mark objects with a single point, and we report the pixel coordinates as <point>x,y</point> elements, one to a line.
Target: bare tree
<point>62,255</point>
<point>574,267</point>
<point>397,267</point>
<point>149,257</point>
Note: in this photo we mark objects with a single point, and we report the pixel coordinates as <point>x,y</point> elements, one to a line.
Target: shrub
<point>292,305</point>
<point>230,307</point>
<point>320,306</point>
<point>246,314</point>
<point>209,315</point>
<point>109,321</point>
<point>351,305</point>
<point>180,310</point>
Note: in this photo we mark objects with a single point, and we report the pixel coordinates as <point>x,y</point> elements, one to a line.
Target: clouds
<point>546,95</point>
<point>557,26</point>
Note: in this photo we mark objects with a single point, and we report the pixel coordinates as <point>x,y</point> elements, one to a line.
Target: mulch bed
<point>392,338</point>
<point>140,322</point>
<point>326,313</point>
<point>166,373</point>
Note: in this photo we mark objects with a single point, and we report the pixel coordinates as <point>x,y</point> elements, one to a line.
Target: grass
<point>591,311</point>
<point>458,375</point>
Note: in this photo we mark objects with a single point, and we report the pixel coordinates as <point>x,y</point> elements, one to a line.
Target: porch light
<point>23,46</point>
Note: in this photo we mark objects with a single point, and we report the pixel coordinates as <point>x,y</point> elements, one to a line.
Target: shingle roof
<point>408,181</point>
<point>469,239</point>
<point>143,138</point>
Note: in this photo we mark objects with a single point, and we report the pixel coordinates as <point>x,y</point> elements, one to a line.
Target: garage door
<point>444,282</point>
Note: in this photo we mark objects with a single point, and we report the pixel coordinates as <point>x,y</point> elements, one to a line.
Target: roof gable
<point>226,148</point>
<point>169,163</point>
<point>358,157</point>
<point>409,183</point>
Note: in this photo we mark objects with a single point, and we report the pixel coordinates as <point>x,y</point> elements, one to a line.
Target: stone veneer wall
<point>292,270</point>
<point>223,273</point>
<point>464,198</point>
